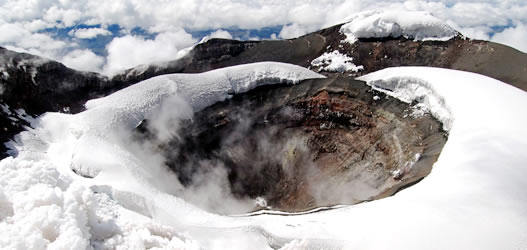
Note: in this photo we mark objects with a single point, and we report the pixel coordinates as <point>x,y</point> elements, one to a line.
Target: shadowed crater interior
<point>319,143</point>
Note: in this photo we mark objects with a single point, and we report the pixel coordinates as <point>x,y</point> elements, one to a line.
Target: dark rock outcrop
<point>34,85</point>
<point>483,57</point>
<point>39,85</point>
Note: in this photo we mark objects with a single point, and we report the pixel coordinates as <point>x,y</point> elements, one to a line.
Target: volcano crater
<point>320,143</point>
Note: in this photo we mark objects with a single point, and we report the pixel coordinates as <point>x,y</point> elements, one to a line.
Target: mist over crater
<point>294,148</point>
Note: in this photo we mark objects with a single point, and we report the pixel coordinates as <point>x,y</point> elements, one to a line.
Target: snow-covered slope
<point>44,203</point>
<point>415,25</point>
<point>474,198</point>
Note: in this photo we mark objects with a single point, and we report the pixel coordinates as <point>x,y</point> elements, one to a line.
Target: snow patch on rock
<point>416,25</point>
<point>414,90</point>
<point>5,75</point>
<point>31,66</point>
<point>335,62</point>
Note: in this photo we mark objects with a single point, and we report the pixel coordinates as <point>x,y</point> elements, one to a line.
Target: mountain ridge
<point>37,85</point>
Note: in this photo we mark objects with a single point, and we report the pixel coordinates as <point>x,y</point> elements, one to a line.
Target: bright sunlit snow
<point>43,203</point>
<point>473,199</point>
<point>414,25</point>
<point>335,62</point>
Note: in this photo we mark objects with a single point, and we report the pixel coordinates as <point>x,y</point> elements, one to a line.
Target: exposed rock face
<point>219,53</point>
<point>320,143</point>
<point>37,85</point>
<point>476,56</point>
<point>486,58</point>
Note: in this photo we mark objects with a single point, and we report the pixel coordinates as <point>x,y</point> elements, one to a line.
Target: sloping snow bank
<point>415,25</point>
<point>44,204</point>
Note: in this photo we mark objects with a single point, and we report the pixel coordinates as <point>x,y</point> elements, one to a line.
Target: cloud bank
<point>129,51</point>
<point>25,25</point>
<point>88,33</point>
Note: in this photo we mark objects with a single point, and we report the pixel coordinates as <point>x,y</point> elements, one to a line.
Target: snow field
<point>416,25</point>
<point>474,198</point>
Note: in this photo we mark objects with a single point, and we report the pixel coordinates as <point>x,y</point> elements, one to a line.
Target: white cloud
<point>474,18</point>
<point>15,36</point>
<point>88,33</point>
<point>160,15</point>
<point>67,17</point>
<point>11,33</point>
<point>220,34</point>
<point>129,51</point>
<point>307,14</point>
<point>479,32</point>
<point>515,37</point>
<point>36,25</point>
<point>294,30</point>
<point>83,60</point>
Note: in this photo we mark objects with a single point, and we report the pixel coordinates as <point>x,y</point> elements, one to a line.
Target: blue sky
<point>98,44</point>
